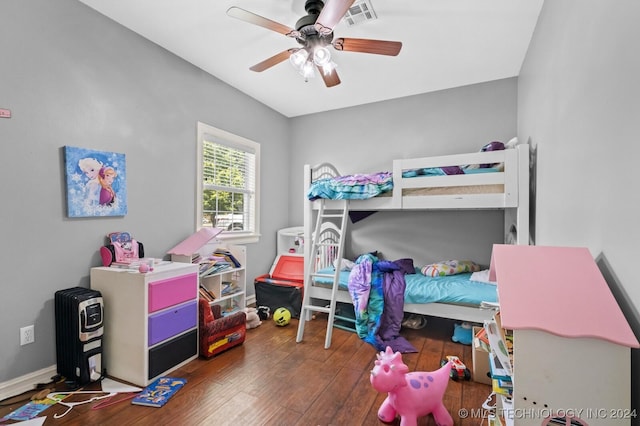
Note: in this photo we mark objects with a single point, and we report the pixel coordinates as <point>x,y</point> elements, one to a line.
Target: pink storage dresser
<point>152,325</point>
<point>171,291</point>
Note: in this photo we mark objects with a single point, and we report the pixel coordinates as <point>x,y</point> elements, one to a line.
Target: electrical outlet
<point>27,335</point>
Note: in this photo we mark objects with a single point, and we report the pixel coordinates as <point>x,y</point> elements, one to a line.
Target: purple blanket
<point>377,290</point>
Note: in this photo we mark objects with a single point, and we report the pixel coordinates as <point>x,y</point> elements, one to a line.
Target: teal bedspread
<point>457,289</point>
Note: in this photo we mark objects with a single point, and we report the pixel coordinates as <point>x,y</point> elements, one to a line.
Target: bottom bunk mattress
<point>456,289</point>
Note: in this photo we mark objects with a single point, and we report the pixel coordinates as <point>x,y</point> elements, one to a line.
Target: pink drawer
<point>169,292</point>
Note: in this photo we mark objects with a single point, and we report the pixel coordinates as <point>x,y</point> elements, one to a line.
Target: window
<point>228,185</point>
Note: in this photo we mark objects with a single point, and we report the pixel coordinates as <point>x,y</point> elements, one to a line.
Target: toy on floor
<point>282,316</point>
<point>410,395</point>
<point>414,321</point>
<point>253,319</point>
<point>462,333</point>
<point>458,369</point>
<point>264,312</point>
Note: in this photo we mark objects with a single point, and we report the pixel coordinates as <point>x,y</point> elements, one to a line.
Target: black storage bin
<point>282,287</point>
<point>276,294</point>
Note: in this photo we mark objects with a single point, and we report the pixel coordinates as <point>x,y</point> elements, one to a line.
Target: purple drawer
<point>169,292</point>
<point>171,322</point>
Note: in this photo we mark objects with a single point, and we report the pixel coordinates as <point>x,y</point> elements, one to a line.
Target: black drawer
<point>172,353</point>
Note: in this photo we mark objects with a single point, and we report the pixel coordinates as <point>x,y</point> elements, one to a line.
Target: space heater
<point>79,315</point>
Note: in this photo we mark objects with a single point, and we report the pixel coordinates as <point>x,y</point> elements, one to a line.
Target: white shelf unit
<point>237,300</point>
<point>290,240</point>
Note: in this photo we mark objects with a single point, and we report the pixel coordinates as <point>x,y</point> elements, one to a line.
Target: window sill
<point>239,238</point>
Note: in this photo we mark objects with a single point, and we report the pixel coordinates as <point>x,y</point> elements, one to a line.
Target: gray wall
<point>367,138</point>
<point>578,105</point>
<point>72,77</point>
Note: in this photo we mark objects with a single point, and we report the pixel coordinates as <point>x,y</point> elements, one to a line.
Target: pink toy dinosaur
<point>410,395</point>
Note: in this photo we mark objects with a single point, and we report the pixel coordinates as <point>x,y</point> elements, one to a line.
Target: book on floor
<point>159,392</point>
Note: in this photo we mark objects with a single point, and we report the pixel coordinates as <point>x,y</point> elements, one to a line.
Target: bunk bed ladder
<point>317,247</point>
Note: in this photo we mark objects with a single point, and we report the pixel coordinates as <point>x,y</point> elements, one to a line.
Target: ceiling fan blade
<point>331,14</point>
<point>331,79</point>
<point>274,60</point>
<point>252,18</point>
<point>364,45</point>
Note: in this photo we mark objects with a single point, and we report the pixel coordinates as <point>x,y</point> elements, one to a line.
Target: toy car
<point>458,369</point>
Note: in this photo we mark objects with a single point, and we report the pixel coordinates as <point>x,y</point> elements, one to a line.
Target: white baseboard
<point>27,382</point>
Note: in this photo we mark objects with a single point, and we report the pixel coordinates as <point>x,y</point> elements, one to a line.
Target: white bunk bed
<point>505,188</point>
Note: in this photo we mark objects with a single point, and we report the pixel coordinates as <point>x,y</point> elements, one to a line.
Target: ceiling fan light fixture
<point>299,58</point>
<point>307,71</point>
<point>321,56</point>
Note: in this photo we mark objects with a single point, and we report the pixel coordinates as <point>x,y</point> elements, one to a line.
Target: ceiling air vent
<point>361,11</point>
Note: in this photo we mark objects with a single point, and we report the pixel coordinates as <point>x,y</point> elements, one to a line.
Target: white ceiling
<point>446,43</point>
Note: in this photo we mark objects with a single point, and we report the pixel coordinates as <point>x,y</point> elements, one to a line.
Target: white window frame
<point>207,132</point>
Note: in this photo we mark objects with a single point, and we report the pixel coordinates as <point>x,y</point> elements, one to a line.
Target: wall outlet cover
<point>27,335</point>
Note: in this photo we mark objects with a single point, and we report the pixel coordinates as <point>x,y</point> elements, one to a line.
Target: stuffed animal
<point>264,312</point>
<point>462,333</point>
<point>410,395</point>
<point>253,320</point>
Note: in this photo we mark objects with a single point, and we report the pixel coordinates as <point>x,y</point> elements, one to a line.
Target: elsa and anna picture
<point>96,183</point>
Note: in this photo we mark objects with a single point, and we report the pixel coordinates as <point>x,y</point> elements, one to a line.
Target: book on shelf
<point>231,308</point>
<point>501,381</point>
<point>228,287</point>
<point>212,267</point>
<point>505,384</point>
<point>135,263</point>
<point>479,344</point>
<point>506,335</point>
<point>482,336</point>
<point>203,295</point>
<point>497,368</point>
<point>159,392</point>
<point>500,389</point>
<point>206,294</point>
<point>210,292</point>
<point>500,345</point>
<point>229,257</point>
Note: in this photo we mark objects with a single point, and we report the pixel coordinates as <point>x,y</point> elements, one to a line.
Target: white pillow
<point>345,264</point>
<point>512,143</point>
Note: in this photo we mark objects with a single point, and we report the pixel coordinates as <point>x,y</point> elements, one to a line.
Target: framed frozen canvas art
<point>96,182</point>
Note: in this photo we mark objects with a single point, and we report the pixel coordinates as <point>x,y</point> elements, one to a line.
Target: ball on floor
<point>281,316</point>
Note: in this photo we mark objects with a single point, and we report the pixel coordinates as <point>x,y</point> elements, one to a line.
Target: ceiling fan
<point>314,33</point>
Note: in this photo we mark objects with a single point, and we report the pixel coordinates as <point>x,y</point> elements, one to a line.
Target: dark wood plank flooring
<point>272,380</point>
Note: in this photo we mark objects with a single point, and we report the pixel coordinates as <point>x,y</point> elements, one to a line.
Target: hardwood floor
<point>272,380</point>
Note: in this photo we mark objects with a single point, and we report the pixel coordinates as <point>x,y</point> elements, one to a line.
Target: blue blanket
<point>351,187</point>
<point>423,289</point>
